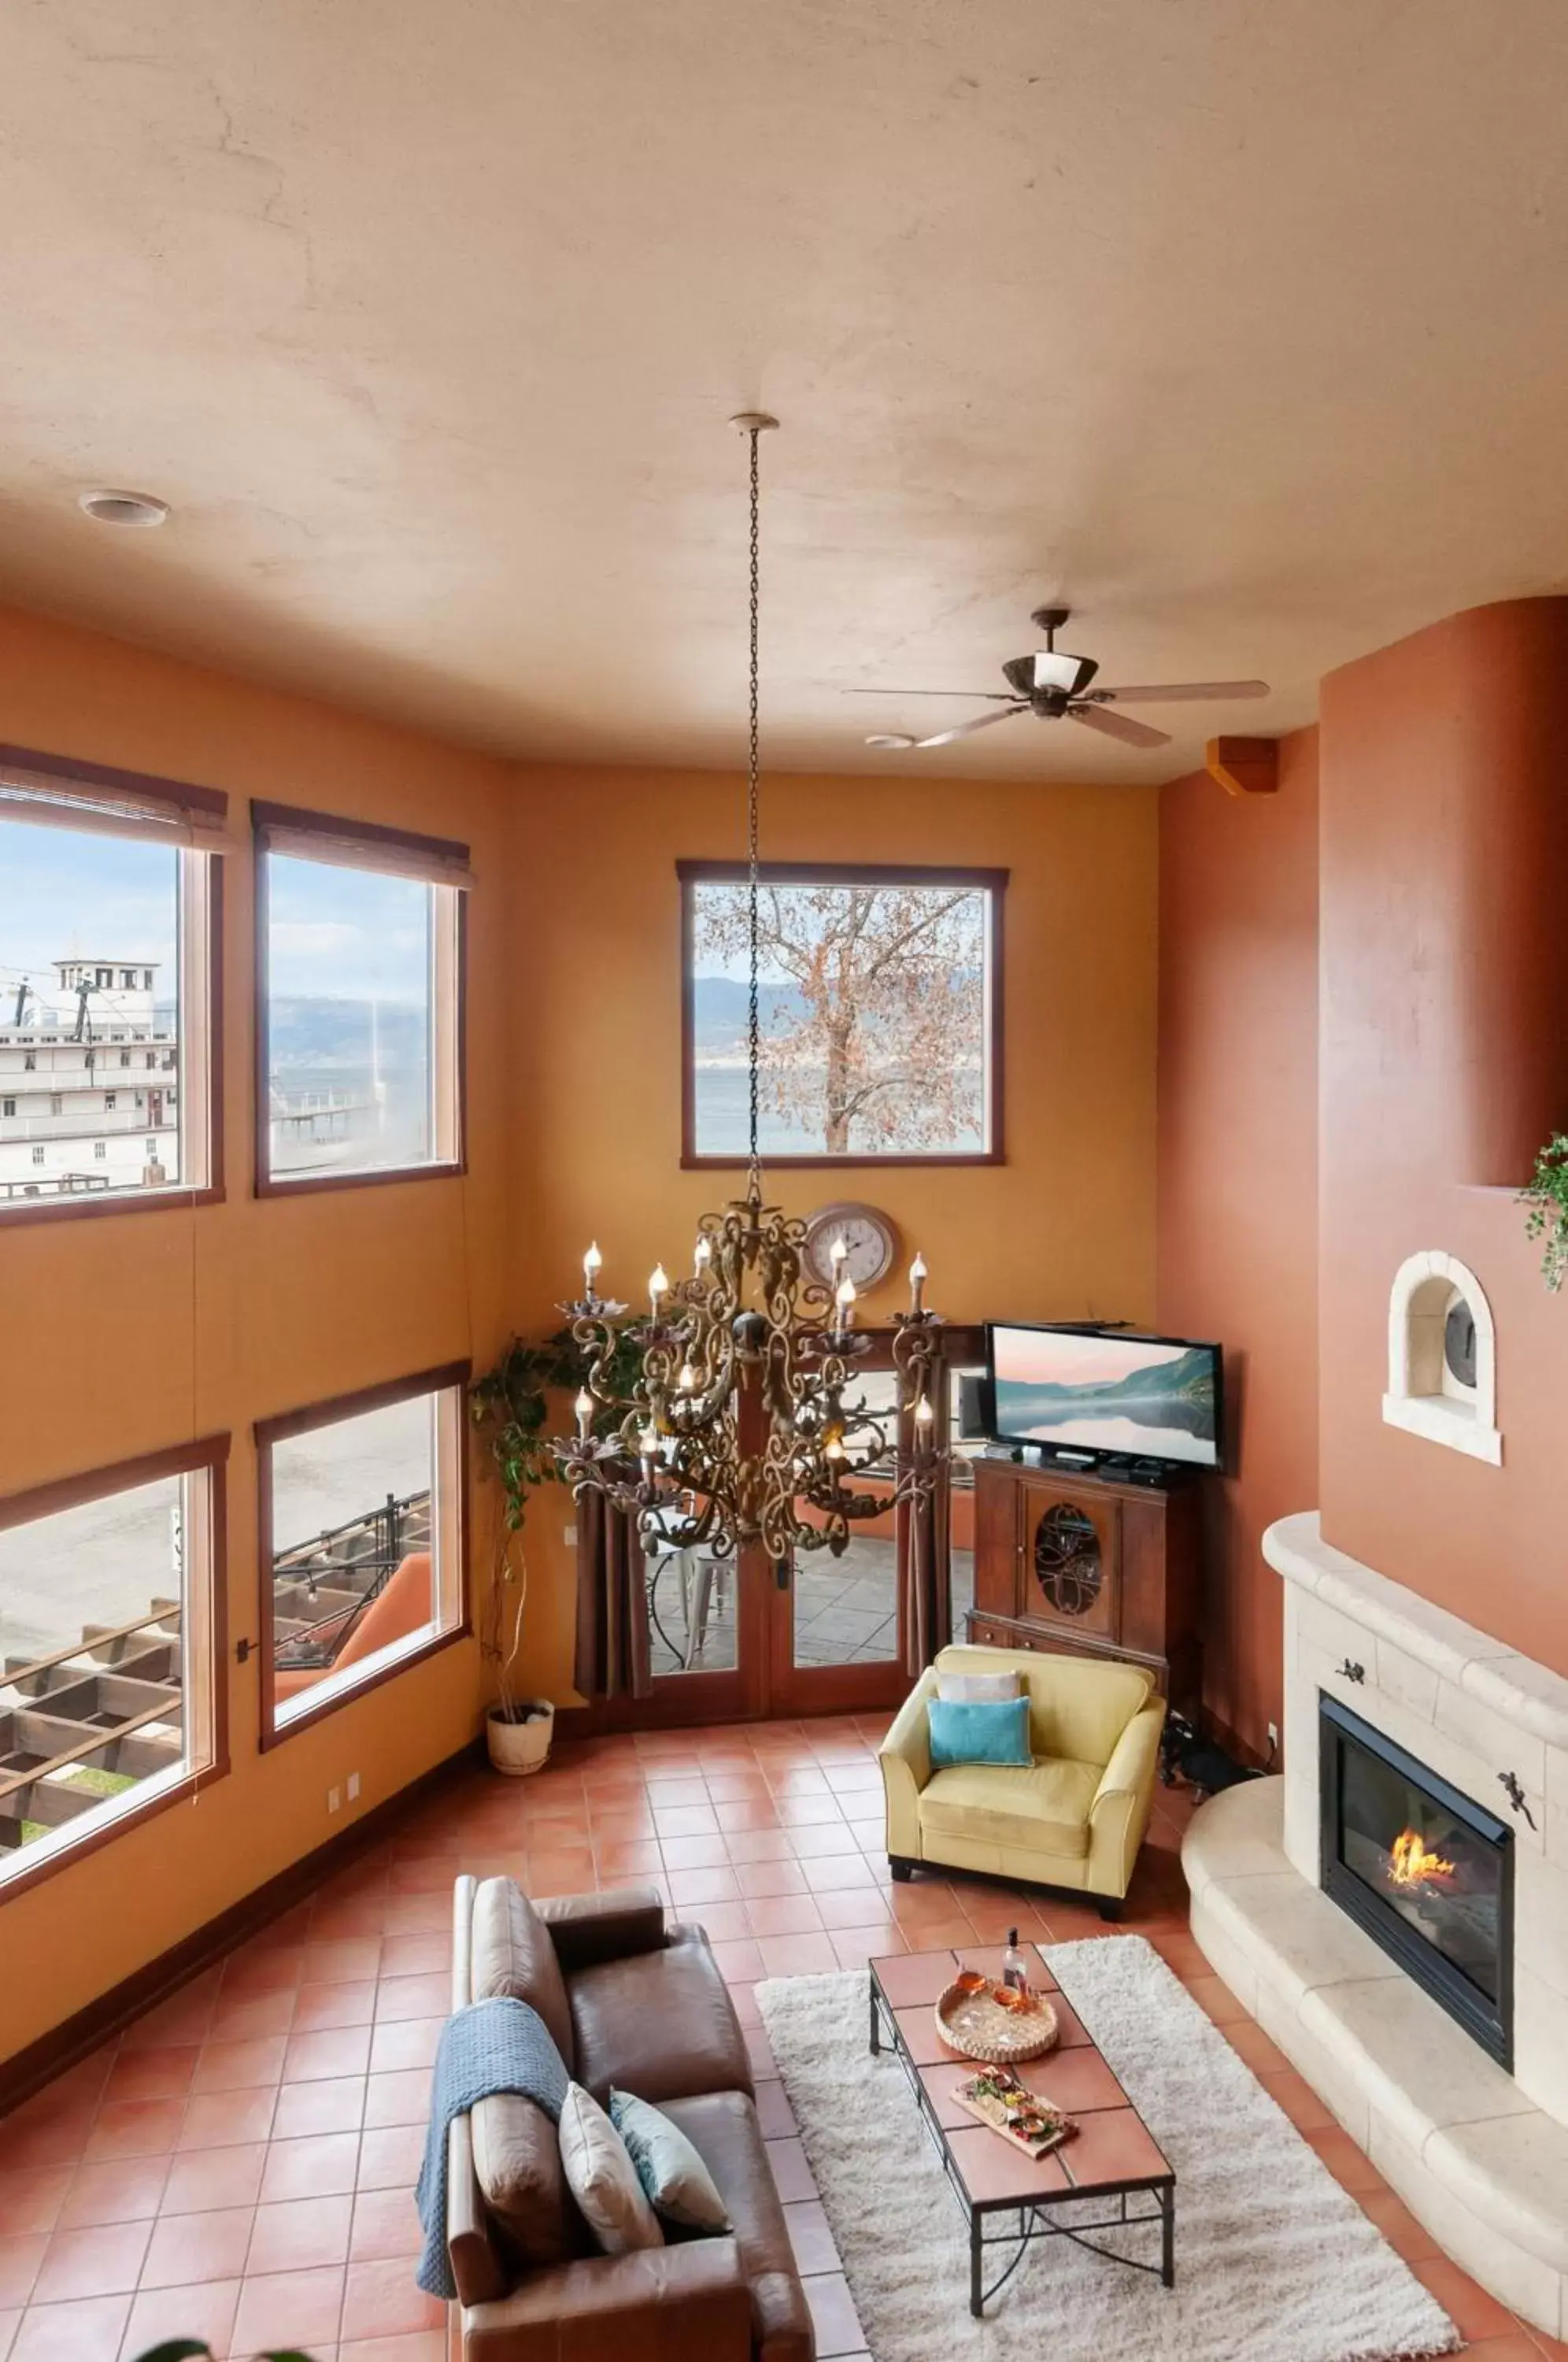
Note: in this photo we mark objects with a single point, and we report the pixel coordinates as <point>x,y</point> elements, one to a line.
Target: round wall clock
<point>866,1233</point>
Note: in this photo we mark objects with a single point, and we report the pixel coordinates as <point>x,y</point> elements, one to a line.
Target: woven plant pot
<point>516,1748</point>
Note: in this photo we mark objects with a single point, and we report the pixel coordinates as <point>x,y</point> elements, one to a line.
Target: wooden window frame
<point>992,882</point>
<point>448,1055</point>
<point>268,1432</point>
<point>200,1073</point>
<point>208,1456</point>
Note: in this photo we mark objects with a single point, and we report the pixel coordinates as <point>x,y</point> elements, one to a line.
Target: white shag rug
<point>1273,2261</point>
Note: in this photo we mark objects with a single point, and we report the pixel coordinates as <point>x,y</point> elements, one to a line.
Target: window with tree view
<point>878,1013</point>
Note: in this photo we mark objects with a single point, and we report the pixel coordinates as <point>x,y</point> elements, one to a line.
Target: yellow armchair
<point>1075,1817</point>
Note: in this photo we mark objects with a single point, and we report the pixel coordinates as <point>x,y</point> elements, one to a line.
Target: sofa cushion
<point>660,2023</point>
<point>722,2128</point>
<point>603,2179</point>
<point>964,1689</point>
<point>977,1731</point>
<point>513,1956</point>
<point>1043,1808</point>
<point>679,2186</point>
<point>517,2162</point>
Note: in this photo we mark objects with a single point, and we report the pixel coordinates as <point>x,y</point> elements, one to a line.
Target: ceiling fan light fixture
<point>1054,669</point>
<point>894,740</point>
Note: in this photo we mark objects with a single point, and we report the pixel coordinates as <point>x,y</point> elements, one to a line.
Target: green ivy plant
<point>1546,1194</point>
<point>509,1408</point>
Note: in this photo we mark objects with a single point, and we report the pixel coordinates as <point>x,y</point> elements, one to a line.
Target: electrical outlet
<point>568,1535</point>
<point>353,1787</point>
<point>334,1800</point>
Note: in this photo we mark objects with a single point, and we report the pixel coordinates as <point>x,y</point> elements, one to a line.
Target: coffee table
<point>1112,2156</point>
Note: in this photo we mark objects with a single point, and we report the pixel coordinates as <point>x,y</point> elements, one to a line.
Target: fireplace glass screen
<point>1441,1879</point>
<point>1424,1869</point>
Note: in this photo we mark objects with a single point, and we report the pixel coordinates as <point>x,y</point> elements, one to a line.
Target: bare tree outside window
<point>875,1003</point>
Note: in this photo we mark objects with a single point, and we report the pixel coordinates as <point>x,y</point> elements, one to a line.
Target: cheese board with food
<point>999,2098</point>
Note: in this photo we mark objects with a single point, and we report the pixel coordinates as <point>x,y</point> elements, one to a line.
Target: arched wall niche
<point>1442,1356</point>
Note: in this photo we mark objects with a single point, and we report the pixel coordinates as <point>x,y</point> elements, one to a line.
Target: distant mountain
<point>307,1031</point>
<point>719,1011</point>
<point>1189,1378</point>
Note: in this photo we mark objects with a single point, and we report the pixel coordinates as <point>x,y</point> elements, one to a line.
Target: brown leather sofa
<point>634,2000</point>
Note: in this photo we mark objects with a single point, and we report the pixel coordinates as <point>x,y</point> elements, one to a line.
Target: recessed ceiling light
<point>122,507</point>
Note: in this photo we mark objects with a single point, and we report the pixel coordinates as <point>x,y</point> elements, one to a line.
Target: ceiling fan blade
<point>995,695</point>
<point>968,729</point>
<point>1176,691</point>
<point>897,741</point>
<point>1118,726</point>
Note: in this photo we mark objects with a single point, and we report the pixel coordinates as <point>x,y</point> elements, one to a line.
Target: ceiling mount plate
<point>748,422</point>
<point>1050,619</point>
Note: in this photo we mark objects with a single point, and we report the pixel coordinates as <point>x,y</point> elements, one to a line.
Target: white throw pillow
<point>979,1689</point>
<point>601,2178</point>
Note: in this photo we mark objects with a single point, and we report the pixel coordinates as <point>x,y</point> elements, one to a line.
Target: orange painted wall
<point>122,1334</point>
<point>1444,859</point>
<point>1064,1228</point>
<point>1238,1180</point>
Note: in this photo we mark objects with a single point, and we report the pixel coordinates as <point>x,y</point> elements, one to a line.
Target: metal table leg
<point>1167,2237</point>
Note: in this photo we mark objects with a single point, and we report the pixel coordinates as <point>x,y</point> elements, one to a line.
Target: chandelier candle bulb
<point>702,1258</point>
<point>584,1408</point>
<point>658,1287</point>
<point>917,1285</point>
<point>844,1298</point>
<point>840,1253</point>
<point>591,1264</point>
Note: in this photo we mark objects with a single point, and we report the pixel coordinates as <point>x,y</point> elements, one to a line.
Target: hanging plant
<point>1546,1194</point>
<point>511,1409</point>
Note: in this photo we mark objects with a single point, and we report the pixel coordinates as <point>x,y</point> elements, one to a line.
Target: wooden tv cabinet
<point>1075,1562</point>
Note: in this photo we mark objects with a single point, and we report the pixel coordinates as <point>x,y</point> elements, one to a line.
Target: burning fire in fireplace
<point>1410,1864</point>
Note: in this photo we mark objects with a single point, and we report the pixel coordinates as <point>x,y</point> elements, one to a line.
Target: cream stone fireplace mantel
<point>1479,2154</point>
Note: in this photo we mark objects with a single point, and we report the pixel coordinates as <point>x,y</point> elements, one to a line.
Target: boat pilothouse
<point>89,1079</point>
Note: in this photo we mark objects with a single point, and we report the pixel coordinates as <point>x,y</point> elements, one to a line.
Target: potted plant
<point>1546,1194</point>
<point>511,1409</point>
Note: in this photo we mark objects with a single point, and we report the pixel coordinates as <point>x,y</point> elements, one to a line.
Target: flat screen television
<point>1100,1390</point>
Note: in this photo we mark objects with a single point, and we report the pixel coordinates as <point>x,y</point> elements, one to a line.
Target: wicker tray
<point>972,2020</point>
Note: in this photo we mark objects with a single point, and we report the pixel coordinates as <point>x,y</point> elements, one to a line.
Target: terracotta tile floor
<point>237,2164</point>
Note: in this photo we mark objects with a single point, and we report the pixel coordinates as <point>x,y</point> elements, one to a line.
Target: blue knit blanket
<point>491,2045</point>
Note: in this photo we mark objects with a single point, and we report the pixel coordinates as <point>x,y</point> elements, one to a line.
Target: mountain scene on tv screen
<point>1174,1397</point>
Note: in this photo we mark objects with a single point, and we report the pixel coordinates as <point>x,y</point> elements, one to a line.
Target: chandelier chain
<point>753,1027</point>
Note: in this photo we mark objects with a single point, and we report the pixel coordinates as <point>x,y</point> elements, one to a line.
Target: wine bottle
<point>1014,1973</point>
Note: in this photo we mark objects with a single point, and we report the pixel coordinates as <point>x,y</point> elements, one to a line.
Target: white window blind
<point>351,845</point>
<point>56,792</point>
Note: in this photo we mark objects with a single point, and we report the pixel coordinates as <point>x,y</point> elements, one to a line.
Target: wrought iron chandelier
<point>673,1445</point>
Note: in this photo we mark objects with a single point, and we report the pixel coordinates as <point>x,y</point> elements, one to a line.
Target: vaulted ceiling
<point>1240,326</point>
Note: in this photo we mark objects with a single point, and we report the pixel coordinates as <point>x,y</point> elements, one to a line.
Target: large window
<point>111,1604</point>
<point>879,1014</point>
<point>362,1541</point>
<point>359,951</point>
<point>109,909</point>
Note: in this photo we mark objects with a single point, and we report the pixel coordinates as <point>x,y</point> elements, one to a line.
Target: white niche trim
<point>1424,1396</point>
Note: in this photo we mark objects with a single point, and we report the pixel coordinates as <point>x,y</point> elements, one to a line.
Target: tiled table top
<point>1112,2148</point>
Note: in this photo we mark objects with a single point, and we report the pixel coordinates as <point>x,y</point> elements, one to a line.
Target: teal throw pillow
<point>678,2184</point>
<point>971,1730</point>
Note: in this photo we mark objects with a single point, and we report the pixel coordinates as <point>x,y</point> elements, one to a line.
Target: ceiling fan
<point>1053,685</point>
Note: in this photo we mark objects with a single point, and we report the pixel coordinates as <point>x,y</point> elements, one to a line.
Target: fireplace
<point>1427,1871</point>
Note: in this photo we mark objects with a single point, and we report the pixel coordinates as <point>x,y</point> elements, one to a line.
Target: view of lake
<point>721,1111</point>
